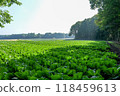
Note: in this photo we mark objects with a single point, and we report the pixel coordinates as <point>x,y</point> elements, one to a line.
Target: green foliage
<point>77,76</point>
<point>5,17</point>
<point>54,66</point>
<point>103,26</point>
<point>57,60</point>
<point>85,29</point>
<point>55,77</point>
<point>32,78</point>
<point>108,18</point>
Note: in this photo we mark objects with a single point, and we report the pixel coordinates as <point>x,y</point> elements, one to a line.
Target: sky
<point>42,16</point>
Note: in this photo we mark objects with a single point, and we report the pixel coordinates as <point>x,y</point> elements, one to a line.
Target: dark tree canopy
<point>108,17</point>
<point>5,17</point>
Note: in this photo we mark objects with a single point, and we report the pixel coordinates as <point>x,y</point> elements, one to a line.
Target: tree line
<point>106,25</point>
<point>33,35</point>
<point>103,26</point>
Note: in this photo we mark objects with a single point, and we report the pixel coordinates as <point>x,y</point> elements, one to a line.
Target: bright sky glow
<point>41,16</point>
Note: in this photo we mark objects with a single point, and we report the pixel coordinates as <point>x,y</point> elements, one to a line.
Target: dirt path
<point>115,47</point>
<point>9,39</point>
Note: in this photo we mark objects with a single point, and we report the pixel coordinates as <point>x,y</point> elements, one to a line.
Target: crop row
<point>57,60</point>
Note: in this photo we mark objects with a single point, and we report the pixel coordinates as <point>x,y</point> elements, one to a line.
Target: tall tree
<point>85,29</point>
<point>108,17</point>
<point>5,17</point>
<point>74,28</point>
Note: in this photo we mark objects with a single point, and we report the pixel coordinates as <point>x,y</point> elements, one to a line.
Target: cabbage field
<point>57,60</point>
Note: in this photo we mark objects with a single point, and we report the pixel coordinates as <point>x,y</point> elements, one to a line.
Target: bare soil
<point>115,48</point>
<point>9,39</point>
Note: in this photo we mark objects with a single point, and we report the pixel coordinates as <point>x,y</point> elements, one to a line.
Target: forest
<point>103,26</point>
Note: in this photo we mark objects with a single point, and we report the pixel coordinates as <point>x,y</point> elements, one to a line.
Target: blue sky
<point>41,16</point>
